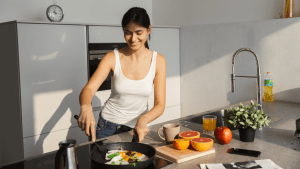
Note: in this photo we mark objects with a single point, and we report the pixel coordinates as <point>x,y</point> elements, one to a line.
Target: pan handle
<point>135,138</point>
<point>76,117</point>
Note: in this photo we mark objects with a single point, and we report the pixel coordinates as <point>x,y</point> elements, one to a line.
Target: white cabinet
<point>106,34</point>
<point>46,69</point>
<point>166,42</point>
<point>53,70</point>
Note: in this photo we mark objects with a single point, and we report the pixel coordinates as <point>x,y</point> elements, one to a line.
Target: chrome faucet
<point>233,76</point>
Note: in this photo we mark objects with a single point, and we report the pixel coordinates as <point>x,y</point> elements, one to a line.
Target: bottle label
<point>268,82</point>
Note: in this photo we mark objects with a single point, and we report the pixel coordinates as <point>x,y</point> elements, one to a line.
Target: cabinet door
<point>53,71</point>
<point>44,143</point>
<point>166,42</point>
<point>106,34</point>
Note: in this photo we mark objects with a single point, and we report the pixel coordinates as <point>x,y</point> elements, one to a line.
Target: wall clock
<point>54,13</point>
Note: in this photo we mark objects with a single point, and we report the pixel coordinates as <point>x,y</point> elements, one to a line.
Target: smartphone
<point>244,152</point>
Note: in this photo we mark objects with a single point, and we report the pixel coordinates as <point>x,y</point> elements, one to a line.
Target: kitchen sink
<point>219,114</point>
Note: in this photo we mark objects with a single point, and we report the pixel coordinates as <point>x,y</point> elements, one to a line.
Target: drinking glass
<point>209,124</point>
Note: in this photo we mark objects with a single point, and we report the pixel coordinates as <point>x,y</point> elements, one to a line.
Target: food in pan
<point>124,157</point>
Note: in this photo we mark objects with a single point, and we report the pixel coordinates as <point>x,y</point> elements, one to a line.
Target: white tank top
<point>128,100</point>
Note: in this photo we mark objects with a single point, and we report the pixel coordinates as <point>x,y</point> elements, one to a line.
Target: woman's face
<point>135,35</point>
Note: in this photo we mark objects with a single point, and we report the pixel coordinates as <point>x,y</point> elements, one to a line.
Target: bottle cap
<point>268,72</point>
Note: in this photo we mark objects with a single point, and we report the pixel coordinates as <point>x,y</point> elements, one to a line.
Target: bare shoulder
<point>109,58</point>
<point>160,59</point>
<point>160,63</point>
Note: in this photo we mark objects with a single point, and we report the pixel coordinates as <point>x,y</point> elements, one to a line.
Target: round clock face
<point>55,13</point>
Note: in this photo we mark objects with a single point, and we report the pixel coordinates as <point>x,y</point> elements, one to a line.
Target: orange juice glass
<point>209,124</point>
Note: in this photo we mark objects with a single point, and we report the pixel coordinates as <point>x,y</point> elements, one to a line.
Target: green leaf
<point>242,109</point>
<point>133,164</point>
<point>241,105</point>
<point>252,103</point>
<point>255,116</point>
<point>239,113</point>
<point>242,123</point>
<point>257,104</point>
<point>254,127</point>
<point>246,115</point>
<point>249,121</point>
<point>113,163</point>
<point>231,122</point>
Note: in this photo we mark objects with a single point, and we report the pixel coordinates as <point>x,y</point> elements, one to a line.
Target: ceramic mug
<point>170,131</point>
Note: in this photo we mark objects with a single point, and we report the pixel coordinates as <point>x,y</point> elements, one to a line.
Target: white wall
<point>206,62</point>
<point>87,11</point>
<point>196,12</point>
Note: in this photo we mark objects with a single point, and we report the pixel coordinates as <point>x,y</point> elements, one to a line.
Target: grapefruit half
<point>181,144</point>
<point>189,135</point>
<point>202,144</point>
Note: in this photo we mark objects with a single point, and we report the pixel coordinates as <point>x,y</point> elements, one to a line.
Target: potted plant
<point>247,119</point>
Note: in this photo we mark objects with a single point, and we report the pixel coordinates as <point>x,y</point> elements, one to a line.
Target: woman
<point>134,70</point>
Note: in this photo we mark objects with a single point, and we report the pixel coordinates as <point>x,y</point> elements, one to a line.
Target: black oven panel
<point>96,52</point>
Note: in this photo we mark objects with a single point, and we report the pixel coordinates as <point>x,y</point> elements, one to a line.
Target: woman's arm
<point>86,120</point>
<point>159,98</point>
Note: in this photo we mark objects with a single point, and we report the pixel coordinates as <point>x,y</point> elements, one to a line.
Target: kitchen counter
<point>275,143</point>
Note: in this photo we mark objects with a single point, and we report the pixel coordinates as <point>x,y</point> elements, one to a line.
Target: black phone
<point>244,152</point>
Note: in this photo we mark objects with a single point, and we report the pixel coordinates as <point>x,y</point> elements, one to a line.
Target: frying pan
<point>98,153</point>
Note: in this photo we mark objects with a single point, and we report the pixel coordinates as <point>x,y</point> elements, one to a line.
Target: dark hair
<point>139,16</point>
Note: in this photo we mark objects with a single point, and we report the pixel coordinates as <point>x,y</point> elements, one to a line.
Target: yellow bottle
<point>268,85</point>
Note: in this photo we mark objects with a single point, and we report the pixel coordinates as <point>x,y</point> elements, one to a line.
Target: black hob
<point>47,161</point>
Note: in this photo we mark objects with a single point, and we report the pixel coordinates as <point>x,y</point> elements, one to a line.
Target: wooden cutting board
<point>171,153</point>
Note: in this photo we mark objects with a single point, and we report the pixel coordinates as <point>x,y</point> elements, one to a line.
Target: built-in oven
<point>96,53</point>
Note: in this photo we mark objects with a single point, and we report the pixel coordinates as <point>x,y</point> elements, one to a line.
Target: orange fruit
<point>181,144</point>
<point>189,135</point>
<point>202,144</point>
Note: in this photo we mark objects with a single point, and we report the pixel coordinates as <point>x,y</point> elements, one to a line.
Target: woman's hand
<point>141,129</point>
<point>86,121</point>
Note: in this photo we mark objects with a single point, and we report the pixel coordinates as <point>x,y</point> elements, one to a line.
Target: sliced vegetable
<point>114,155</point>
